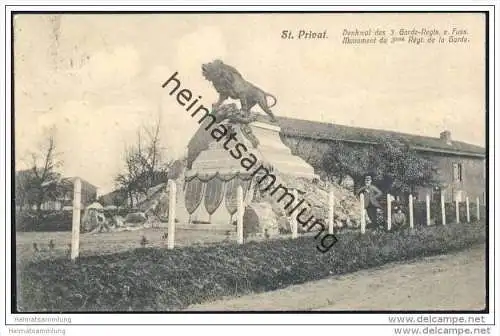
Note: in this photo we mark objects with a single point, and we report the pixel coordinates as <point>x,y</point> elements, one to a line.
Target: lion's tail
<point>274,98</point>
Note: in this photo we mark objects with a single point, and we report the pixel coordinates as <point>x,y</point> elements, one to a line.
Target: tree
<point>146,164</point>
<point>42,182</point>
<point>395,166</point>
<point>401,168</point>
<point>343,160</point>
<point>127,181</point>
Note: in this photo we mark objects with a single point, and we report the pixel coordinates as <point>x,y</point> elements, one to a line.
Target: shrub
<point>44,221</point>
<point>153,279</point>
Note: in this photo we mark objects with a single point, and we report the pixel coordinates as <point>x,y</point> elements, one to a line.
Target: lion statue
<point>229,83</point>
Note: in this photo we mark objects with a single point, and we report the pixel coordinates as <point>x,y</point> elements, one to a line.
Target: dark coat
<point>372,194</point>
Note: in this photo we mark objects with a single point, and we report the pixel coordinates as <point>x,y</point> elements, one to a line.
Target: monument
<point>208,197</point>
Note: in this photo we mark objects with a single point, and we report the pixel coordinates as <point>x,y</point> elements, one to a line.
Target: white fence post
<point>478,213</point>
<point>457,210</point>
<point>389,212</point>
<point>239,214</point>
<point>410,209</point>
<point>172,188</point>
<point>428,209</point>
<point>294,218</point>
<point>331,205</point>
<point>363,216</point>
<point>467,207</point>
<point>75,233</point>
<point>443,212</point>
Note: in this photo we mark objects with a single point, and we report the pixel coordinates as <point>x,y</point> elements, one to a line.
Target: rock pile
<point>267,214</point>
<point>315,195</point>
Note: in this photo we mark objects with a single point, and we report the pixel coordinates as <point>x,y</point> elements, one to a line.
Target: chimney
<point>445,136</point>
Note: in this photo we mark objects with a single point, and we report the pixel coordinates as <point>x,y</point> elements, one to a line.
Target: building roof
<point>329,131</point>
<point>84,182</point>
<point>25,172</point>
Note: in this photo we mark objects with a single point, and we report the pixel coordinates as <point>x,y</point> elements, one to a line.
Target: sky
<point>96,79</point>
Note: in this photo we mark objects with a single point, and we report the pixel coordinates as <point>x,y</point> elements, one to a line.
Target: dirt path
<point>455,281</point>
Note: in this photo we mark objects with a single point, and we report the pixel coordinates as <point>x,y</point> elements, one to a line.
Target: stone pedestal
<point>272,150</point>
<point>265,143</point>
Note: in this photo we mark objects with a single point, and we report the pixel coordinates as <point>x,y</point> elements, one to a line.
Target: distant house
<point>64,201</point>
<point>461,166</point>
<point>88,195</point>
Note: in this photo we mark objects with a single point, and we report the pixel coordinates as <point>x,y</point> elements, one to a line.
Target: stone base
<point>265,143</point>
<point>272,150</point>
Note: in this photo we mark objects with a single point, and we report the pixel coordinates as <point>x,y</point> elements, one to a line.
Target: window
<point>457,172</point>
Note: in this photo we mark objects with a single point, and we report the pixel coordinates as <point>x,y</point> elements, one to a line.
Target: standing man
<point>372,194</point>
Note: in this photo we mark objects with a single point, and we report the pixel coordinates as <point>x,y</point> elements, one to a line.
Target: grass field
<point>105,243</point>
<point>157,279</point>
<point>115,242</point>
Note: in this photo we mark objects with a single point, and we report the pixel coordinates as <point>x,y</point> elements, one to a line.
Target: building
<point>64,200</point>
<point>461,166</point>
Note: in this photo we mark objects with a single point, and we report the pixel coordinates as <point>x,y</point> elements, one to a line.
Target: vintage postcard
<point>333,163</point>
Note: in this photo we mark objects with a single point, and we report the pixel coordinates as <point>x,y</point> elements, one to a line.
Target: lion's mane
<point>222,76</point>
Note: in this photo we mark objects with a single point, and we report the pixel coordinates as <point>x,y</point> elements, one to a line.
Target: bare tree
<point>145,163</point>
<point>125,180</point>
<point>42,181</point>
